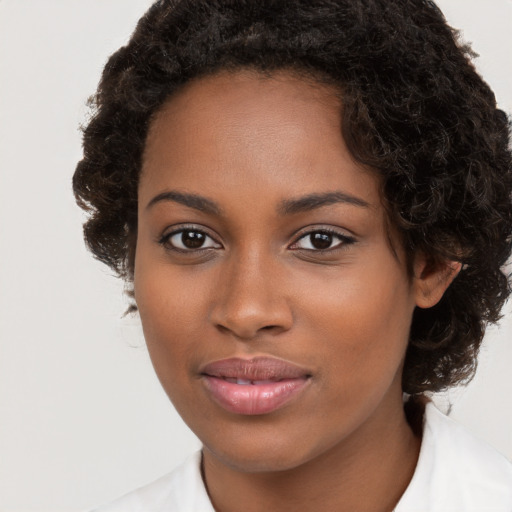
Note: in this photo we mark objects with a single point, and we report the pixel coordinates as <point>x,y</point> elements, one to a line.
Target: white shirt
<point>455,473</point>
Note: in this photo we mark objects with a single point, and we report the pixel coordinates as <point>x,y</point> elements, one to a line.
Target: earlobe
<point>432,279</point>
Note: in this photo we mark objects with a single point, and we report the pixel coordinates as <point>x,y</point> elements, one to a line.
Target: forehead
<point>279,133</point>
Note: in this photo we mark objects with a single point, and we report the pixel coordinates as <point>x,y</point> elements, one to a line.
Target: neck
<point>369,471</point>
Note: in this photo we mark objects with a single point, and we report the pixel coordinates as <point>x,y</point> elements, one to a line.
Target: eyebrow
<point>314,201</point>
<point>195,201</point>
<point>286,207</point>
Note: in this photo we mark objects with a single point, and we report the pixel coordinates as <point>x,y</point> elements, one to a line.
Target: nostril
<point>222,328</point>
<point>245,332</point>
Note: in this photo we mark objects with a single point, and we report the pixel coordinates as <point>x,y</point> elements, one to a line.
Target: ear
<point>432,278</point>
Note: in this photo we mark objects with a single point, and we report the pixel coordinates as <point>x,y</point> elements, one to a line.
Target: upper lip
<point>258,368</point>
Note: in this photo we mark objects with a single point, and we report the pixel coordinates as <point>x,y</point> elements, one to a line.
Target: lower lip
<point>253,399</point>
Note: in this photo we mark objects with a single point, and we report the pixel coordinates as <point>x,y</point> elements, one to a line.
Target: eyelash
<point>165,240</point>
<point>344,240</point>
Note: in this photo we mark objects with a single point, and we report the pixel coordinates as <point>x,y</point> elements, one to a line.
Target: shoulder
<point>181,489</point>
<point>456,471</point>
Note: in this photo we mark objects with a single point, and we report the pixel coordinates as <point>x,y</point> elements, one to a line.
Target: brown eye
<point>322,241</point>
<point>192,239</point>
<point>189,240</point>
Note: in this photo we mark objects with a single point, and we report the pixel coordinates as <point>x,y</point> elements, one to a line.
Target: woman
<point>311,201</point>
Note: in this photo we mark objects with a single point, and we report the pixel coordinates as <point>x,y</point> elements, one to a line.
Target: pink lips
<point>255,386</point>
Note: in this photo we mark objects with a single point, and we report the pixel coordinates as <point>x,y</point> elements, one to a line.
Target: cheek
<point>362,318</point>
<point>171,313</point>
<point>360,326</point>
<point>170,298</point>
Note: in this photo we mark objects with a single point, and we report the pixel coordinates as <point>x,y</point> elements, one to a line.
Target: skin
<point>258,287</point>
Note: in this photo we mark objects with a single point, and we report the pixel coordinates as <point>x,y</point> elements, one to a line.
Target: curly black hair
<point>414,109</point>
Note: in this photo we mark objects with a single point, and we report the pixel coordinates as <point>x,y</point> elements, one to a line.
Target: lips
<point>255,386</point>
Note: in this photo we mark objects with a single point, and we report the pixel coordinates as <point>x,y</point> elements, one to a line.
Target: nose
<point>251,299</point>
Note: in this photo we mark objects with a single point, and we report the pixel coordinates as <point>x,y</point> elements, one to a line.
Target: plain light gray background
<point>82,417</point>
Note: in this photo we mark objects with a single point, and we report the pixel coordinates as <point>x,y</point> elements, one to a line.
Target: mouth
<point>256,386</point>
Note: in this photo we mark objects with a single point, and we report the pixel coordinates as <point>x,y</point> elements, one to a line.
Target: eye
<point>188,240</point>
<point>322,240</point>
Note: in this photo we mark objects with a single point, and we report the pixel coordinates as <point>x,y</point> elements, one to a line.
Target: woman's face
<point>274,307</point>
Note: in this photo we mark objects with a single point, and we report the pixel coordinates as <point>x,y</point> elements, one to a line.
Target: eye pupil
<point>321,240</point>
<point>192,239</point>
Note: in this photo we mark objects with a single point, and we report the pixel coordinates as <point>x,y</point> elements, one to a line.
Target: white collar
<point>455,473</point>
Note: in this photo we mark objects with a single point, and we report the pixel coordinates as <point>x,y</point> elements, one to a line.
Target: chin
<point>265,453</point>
<point>262,462</point>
